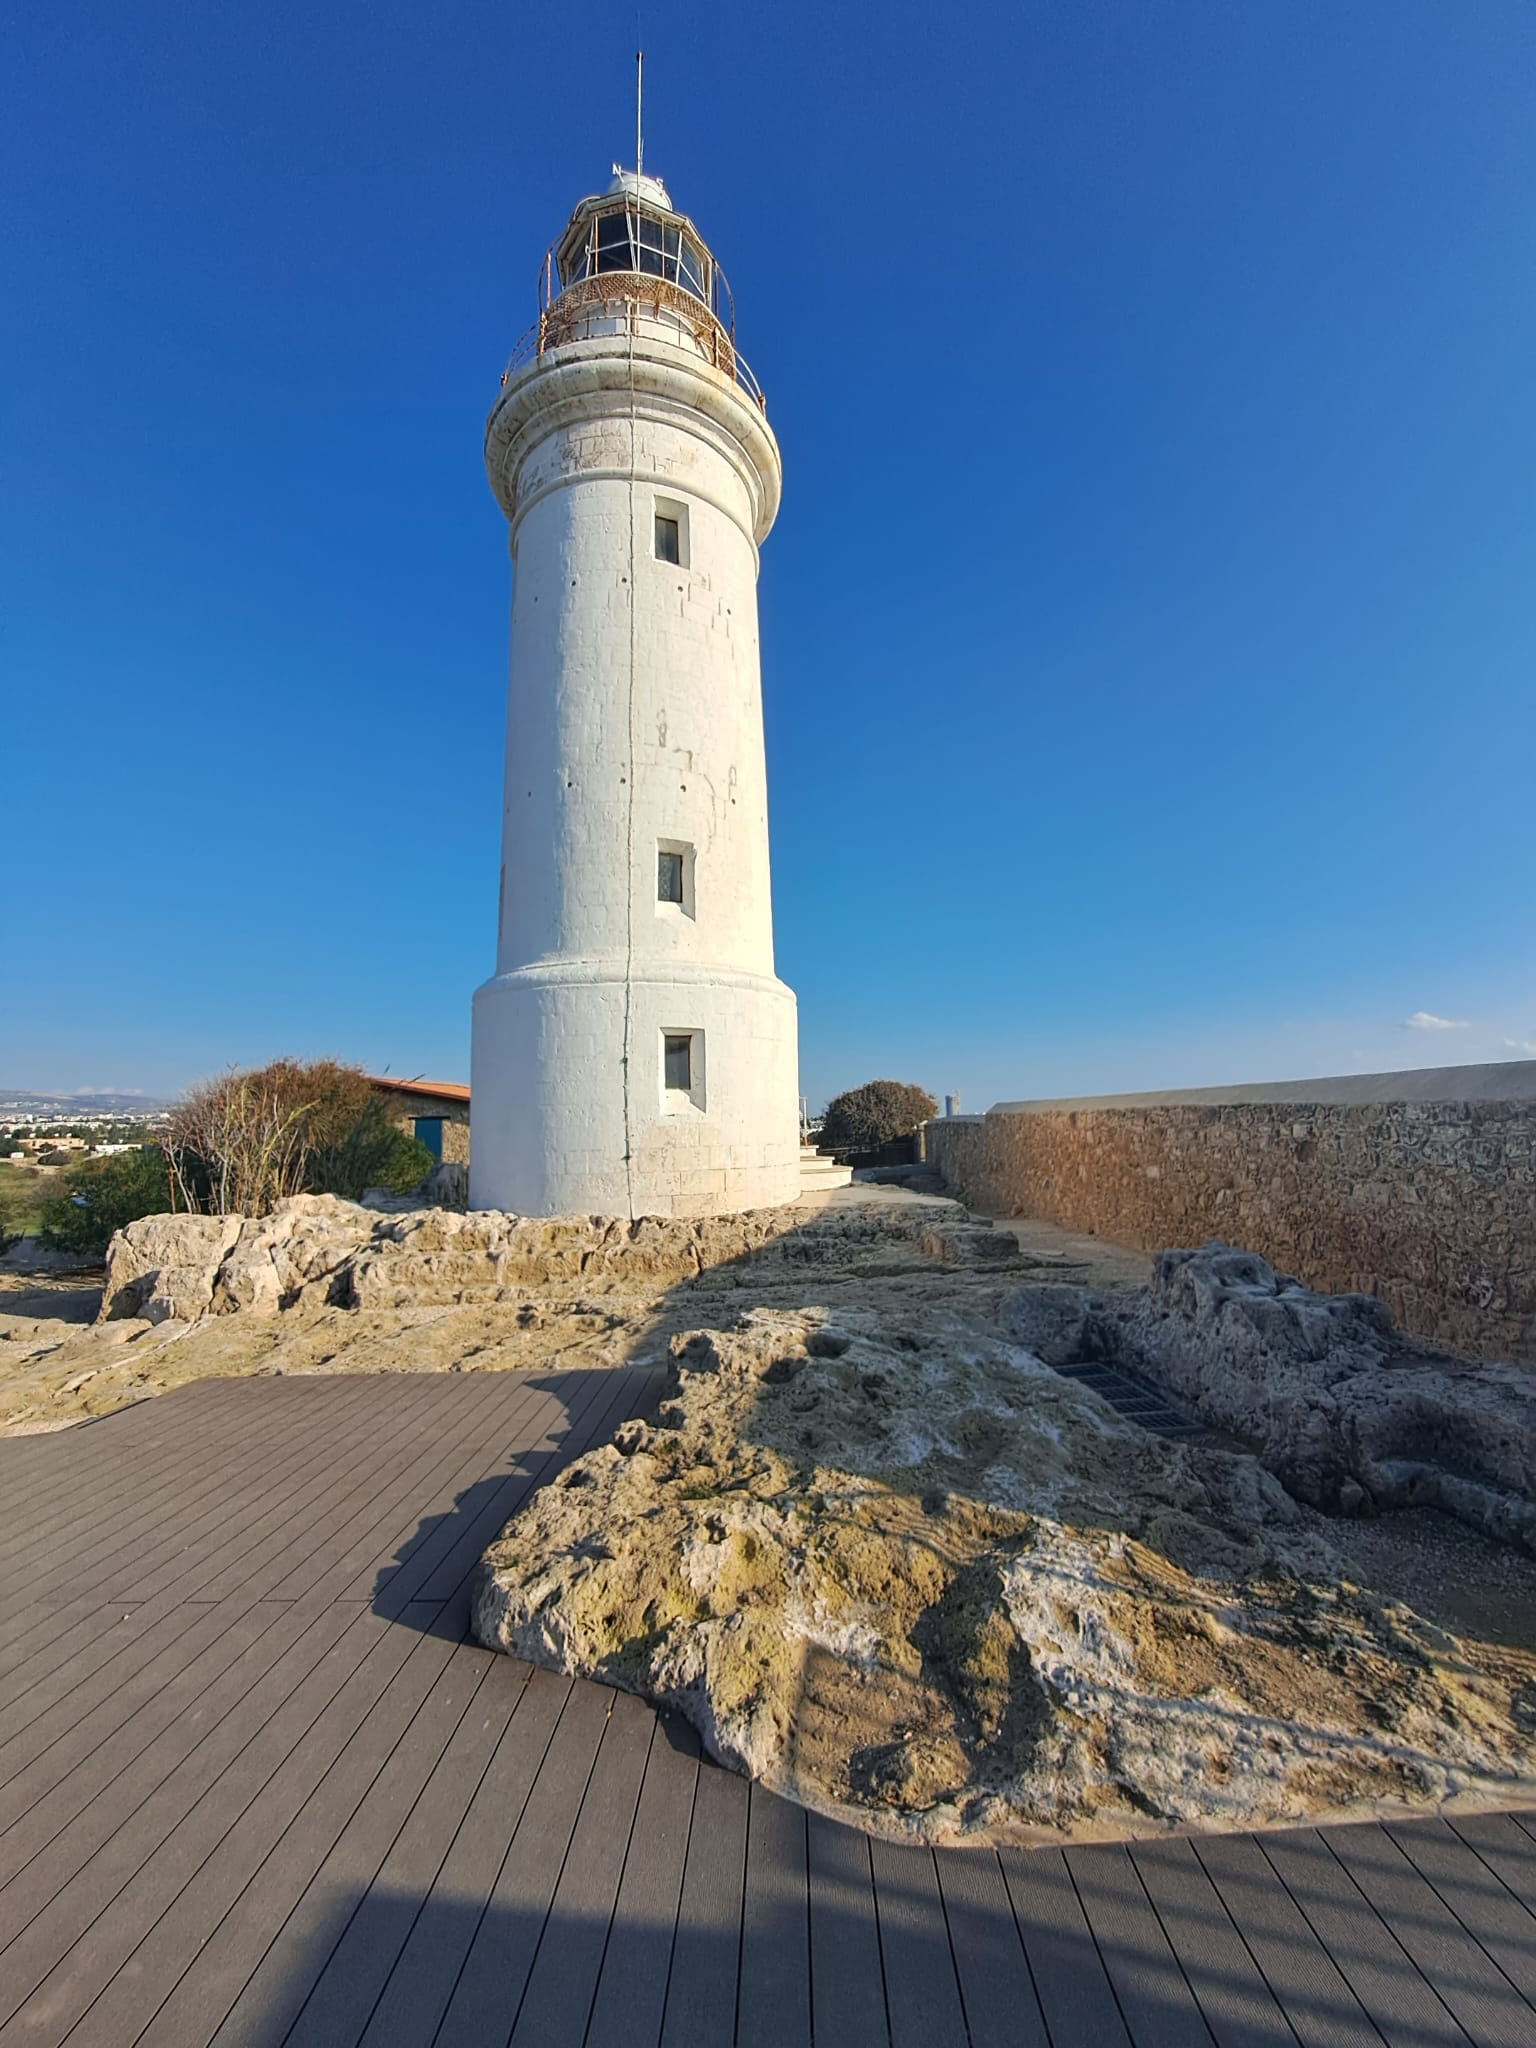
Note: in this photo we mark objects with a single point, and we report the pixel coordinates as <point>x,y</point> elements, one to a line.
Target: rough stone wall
<point>1429,1205</point>
<point>403,1110</point>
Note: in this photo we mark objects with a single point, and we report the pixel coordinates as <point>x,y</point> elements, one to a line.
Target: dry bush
<point>247,1141</point>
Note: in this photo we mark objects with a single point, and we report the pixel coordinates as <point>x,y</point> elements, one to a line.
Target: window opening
<point>669,877</point>
<point>668,539</point>
<point>677,1060</point>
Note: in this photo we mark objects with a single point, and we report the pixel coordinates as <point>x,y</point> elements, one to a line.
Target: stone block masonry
<point>1418,1188</point>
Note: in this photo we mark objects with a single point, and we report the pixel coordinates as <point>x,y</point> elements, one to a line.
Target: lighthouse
<point>634,1053</point>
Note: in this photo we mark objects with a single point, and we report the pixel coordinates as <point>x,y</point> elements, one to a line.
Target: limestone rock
<point>163,1268</point>
<point>318,1249</point>
<point>1345,1410</point>
<point>940,1590</point>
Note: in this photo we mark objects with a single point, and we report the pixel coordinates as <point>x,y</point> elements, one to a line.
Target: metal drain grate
<point>1137,1403</point>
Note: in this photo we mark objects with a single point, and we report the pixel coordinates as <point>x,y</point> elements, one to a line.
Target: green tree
<point>99,1196</point>
<point>865,1118</point>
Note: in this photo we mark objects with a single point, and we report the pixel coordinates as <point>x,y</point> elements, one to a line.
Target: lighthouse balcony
<point>633,303</point>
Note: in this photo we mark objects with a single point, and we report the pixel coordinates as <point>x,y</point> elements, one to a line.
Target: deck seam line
<point>428,1889</point>
<point>682,1879</point>
<point>516,1828</point>
<point>565,1857</point>
<point>1338,1961</point>
<point>384,1763</point>
<point>629,1842</point>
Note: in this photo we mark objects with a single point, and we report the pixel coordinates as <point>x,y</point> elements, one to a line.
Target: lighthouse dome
<point>635,185</point>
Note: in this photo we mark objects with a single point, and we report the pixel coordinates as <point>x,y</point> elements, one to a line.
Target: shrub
<point>99,1196</point>
<point>247,1141</point>
<point>864,1119</point>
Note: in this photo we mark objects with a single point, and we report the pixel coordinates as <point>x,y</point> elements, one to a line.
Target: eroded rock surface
<point>914,1577</point>
<point>1351,1415</point>
<point>324,1285</point>
<point>318,1249</point>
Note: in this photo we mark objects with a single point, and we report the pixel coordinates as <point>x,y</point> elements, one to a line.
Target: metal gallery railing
<point>632,295</point>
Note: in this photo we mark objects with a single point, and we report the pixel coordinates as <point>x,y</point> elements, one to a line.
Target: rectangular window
<point>671,531</point>
<point>682,1072</point>
<point>674,878</point>
<point>677,1059</point>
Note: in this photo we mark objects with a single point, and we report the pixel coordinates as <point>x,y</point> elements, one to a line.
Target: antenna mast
<point>639,105</point>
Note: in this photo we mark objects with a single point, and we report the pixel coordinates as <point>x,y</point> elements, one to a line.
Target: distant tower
<point>634,1053</point>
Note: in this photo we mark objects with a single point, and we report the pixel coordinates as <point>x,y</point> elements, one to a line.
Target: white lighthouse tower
<point>634,1053</point>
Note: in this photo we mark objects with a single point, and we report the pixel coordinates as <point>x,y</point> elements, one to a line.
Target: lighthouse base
<point>597,1094</point>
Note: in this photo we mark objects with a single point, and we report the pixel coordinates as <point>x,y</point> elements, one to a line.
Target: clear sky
<point>1149,631</point>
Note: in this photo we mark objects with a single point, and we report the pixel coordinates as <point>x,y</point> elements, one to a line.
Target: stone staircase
<point>818,1174</point>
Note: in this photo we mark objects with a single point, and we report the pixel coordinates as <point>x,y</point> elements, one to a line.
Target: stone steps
<point>817,1173</point>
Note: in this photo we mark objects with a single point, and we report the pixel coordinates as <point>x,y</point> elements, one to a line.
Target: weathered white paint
<point>634,721</point>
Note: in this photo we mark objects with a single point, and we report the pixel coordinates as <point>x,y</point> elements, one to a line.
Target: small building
<point>437,1112</point>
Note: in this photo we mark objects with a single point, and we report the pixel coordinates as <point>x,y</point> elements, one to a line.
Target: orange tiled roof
<point>450,1091</point>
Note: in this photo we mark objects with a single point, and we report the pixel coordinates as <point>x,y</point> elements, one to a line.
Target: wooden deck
<point>256,1787</point>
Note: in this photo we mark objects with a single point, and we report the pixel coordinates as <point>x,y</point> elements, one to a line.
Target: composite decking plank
<point>388,1905</point>
<point>148,1474</point>
<point>1381,1973</point>
<point>388,1459</point>
<point>269,1512</point>
<point>774,2000</point>
<point>421,1983</point>
<point>1488,2007</point>
<point>1238,2006</point>
<point>143,1802</point>
<point>847,1980</point>
<point>97,1919</point>
<point>251,1977</point>
<point>372,1570</point>
<point>1506,1848</point>
<point>74,1817</point>
<point>547,1426</point>
<point>438,1453</point>
<point>1070,1981</point>
<point>1322,2010</point>
<point>563,1983</point>
<point>501,1953</point>
<point>1481,1901</point>
<point>201,1492</point>
<point>706,1954</point>
<point>237,1811</point>
<point>357,1526</point>
<point>450,1570</point>
<point>1001,2008</point>
<point>129,1717</point>
<point>167,1918</point>
<point>1155,2001</point>
<point>922,1990</point>
<point>632,1985</point>
<point>136,1655</point>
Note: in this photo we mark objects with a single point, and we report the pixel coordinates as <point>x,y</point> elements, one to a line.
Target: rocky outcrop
<point>1349,1414</point>
<point>318,1250</point>
<point>164,1268</point>
<point>926,1583</point>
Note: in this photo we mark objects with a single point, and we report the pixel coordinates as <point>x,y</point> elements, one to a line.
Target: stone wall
<point>1428,1203</point>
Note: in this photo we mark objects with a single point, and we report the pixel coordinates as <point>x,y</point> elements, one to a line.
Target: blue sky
<point>1149,631</point>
